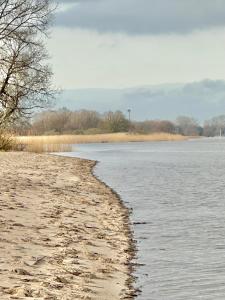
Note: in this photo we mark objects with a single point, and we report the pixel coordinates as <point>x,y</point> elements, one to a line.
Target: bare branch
<point>25,80</point>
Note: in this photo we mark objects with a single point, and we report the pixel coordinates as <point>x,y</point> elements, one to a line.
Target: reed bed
<point>63,143</point>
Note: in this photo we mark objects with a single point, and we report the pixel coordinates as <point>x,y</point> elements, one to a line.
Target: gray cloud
<point>143,16</point>
<point>201,100</point>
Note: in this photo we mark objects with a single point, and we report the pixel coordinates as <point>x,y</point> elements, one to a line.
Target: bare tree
<point>18,16</point>
<point>152,126</point>
<point>115,122</point>
<point>214,126</point>
<point>25,78</point>
<point>188,126</point>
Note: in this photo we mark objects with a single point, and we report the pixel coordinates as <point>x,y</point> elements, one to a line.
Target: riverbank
<point>64,234</point>
<point>63,143</point>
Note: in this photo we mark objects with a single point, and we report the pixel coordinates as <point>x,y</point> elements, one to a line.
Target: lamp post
<point>129,112</point>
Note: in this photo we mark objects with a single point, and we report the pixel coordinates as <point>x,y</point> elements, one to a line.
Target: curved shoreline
<point>132,292</point>
<point>65,234</point>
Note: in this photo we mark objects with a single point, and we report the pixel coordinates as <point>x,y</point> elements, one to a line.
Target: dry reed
<point>63,143</point>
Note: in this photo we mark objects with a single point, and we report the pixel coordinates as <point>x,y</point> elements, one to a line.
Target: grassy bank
<point>63,143</point>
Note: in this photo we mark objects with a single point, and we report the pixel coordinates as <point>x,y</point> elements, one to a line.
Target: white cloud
<point>84,59</point>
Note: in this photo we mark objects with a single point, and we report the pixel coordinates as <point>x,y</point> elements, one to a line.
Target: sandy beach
<point>64,234</point>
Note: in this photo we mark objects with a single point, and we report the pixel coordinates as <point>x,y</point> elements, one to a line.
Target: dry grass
<point>7,141</point>
<point>63,143</point>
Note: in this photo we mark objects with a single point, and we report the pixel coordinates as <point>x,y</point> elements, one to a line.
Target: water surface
<point>178,189</point>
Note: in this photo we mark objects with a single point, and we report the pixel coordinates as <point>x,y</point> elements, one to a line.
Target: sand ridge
<point>64,234</point>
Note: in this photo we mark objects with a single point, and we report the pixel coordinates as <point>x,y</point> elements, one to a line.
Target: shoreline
<point>65,234</point>
<point>132,292</point>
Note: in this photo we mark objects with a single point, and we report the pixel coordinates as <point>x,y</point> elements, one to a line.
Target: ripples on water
<point>177,188</point>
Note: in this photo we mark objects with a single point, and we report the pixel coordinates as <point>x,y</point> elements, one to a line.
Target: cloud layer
<point>143,16</point>
<point>202,100</point>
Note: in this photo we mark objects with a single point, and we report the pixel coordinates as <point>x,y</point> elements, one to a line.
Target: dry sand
<point>64,234</point>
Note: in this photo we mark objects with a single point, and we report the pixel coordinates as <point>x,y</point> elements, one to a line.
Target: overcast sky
<point>129,43</point>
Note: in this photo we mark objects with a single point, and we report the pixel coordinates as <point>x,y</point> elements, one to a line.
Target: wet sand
<point>64,234</point>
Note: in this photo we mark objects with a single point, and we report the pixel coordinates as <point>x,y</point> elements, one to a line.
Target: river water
<point>177,189</point>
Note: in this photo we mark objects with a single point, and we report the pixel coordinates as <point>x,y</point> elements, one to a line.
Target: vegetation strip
<point>63,143</point>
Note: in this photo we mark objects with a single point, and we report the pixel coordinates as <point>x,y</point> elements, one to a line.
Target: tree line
<point>64,121</point>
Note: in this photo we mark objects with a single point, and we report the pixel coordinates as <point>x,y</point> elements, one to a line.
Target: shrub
<point>7,141</point>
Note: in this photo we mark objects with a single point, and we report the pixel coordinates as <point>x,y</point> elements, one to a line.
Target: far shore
<point>62,143</point>
<point>64,234</point>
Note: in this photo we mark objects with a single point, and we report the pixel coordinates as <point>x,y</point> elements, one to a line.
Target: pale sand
<point>64,235</point>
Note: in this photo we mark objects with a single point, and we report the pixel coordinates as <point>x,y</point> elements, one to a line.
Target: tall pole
<point>129,112</point>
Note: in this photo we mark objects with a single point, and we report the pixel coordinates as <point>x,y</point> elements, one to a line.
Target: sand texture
<point>64,235</point>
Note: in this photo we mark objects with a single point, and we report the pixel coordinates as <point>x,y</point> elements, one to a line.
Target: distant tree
<point>65,121</point>
<point>214,126</point>
<point>115,122</point>
<point>91,122</point>
<point>188,126</point>
<point>151,126</point>
<point>83,120</point>
<point>50,122</point>
<point>21,126</point>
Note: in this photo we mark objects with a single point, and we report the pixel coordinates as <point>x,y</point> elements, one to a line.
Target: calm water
<point>178,189</point>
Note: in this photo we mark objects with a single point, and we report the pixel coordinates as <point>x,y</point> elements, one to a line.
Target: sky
<point>201,100</point>
<point>121,44</point>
